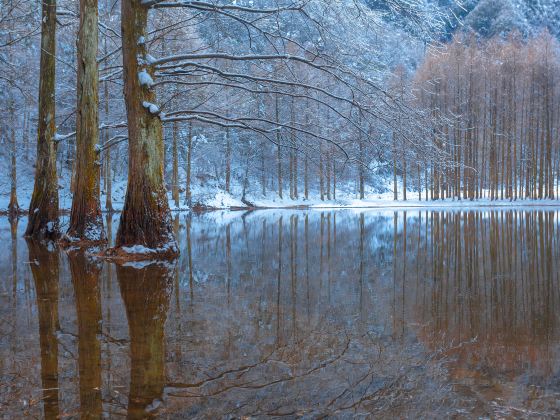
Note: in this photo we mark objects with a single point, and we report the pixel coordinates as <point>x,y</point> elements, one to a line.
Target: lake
<point>417,313</point>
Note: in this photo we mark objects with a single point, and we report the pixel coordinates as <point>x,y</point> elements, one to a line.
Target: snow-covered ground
<point>219,199</point>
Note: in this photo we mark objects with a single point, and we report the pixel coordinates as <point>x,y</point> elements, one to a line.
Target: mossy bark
<point>86,223</point>
<point>43,209</point>
<point>145,219</point>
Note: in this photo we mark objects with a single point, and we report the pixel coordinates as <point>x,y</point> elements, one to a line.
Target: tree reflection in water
<point>391,314</point>
<point>146,294</point>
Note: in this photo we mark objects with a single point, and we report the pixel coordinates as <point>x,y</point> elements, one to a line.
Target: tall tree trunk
<point>321,175</point>
<point>146,218</point>
<point>278,146</point>
<point>228,161</point>
<point>361,163</point>
<point>108,171</point>
<point>13,207</point>
<point>43,209</point>
<point>188,193</point>
<point>306,178</point>
<point>86,223</point>
<point>175,175</point>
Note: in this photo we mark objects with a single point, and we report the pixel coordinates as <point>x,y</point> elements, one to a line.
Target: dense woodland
<point>287,100</point>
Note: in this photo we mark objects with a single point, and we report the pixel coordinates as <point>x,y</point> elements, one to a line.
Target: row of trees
<point>502,103</point>
<point>289,76</point>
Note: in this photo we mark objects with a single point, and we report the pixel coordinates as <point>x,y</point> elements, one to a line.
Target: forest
<point>146,107</point>
<point>250,209</point>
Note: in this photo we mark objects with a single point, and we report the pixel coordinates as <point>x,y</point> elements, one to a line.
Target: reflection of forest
<point>492,289</point>
<point>493,279</point>
<point>304,313</point>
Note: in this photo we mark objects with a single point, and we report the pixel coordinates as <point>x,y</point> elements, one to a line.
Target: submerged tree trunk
<point>43,209</point>
<point>86,223</point>
<point>145,219</point>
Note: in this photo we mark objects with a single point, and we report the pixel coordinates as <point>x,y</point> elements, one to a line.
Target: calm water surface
<point>313,314</point>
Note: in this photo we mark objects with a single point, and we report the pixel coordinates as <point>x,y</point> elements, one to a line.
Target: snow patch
<point>145,79</point>
<point>153,108</point>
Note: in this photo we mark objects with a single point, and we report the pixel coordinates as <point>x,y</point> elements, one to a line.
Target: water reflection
<point>44,263</point>
<point>146,293</point>
<point>85,279</point>
<point>393,314</point>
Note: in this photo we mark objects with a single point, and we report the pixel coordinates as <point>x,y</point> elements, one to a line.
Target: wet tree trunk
<point>145,219</point>
<point>86,223</point>
<point>43,209</point>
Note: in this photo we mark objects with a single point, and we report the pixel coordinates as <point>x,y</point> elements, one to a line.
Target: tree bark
<point>146,218</point>
<point>175,175</point>
<point>43,209</point>
<point>86,223</point>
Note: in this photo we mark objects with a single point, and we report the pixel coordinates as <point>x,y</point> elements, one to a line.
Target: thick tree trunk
<point>86,223</point>
<point>145,219</point>
<point>43,209</point>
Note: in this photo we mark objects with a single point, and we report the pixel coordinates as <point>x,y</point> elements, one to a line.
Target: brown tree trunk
<point>175,175</point>
<point>86,223</point>
<point>43,209</point>
<point>145,219</point>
